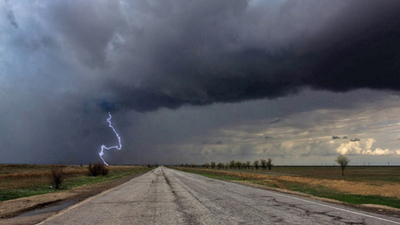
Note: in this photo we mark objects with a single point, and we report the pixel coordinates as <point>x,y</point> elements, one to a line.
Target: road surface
<point>166,196</point>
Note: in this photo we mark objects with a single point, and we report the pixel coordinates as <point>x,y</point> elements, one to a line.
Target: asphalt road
<point>166,196</point>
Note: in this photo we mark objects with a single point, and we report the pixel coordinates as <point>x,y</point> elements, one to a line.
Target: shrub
<point>104,170</point>
<point>97,169</point>
<point>57,176</point>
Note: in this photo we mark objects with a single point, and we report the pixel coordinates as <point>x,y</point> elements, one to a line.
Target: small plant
<point>97,169</point>
<point>57,176</point>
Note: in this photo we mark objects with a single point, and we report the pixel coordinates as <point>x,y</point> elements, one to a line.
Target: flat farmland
<point>363,186</point>
<point>25,180</point>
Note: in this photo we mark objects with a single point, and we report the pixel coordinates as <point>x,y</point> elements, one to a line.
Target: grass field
<point>18,181</point>
<point>360,185</point>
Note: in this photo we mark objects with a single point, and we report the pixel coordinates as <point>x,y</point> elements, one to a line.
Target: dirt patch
<point>15,207</point>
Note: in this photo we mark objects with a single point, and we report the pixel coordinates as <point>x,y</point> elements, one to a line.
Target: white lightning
<point>103,147</point>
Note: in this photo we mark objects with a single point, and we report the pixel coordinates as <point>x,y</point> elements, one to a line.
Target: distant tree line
<point>256,164</point>
<point>342,160</point>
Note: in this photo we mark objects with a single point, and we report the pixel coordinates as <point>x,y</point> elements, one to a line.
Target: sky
<point>198,81</point>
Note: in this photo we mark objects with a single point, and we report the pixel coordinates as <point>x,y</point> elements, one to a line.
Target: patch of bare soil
<point>10,209</point>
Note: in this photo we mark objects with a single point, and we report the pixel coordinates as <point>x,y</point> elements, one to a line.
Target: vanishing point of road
<point>165,196</point>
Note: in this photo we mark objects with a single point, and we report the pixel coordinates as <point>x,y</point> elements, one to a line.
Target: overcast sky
<point>195,81</point>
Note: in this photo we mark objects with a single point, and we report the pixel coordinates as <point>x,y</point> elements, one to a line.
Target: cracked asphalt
<point>166,196</point>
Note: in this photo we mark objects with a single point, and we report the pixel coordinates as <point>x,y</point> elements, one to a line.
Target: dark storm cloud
<point>70,60</point>
<point>355,140</point>
<point>175,53</point>
<point>335,137</point>
<point>152,54</point>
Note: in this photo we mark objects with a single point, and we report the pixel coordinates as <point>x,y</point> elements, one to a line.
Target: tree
<point>212,165</point>
<point>256,164</point>
<point>206,165</point>
<point>263,163</point>
<point>238,164</point>
<point>269,163</point>
<point>343,161</point>
<point>248,163</point>
<point>220,165</point>
<point>227,166</point>
<point>232,164</point>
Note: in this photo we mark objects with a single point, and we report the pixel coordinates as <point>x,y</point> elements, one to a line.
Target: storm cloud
<point>70,61</point>
<point>231,51</point>
<point>152,54</point>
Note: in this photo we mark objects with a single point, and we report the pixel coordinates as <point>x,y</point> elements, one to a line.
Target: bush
<point>97,169</point>
<point>57,176</point>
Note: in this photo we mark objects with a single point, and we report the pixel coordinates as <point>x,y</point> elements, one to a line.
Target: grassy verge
<point>36,180</point>
<point>324,192</point>
<point>314,190</point>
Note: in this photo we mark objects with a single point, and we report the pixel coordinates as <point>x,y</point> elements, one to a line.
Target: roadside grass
<point>377,175</point>
<point>28,180</point>
<point>351,173</point>
<point>323,192</point>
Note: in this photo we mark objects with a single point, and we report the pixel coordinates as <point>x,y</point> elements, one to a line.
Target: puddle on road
<point>54,208</point>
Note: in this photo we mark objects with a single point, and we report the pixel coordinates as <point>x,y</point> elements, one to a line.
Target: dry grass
<point>372,181</point>
<point>26,180</point>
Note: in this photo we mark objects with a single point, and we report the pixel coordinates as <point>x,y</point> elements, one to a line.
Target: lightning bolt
<point>103,147</point>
